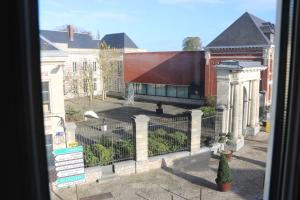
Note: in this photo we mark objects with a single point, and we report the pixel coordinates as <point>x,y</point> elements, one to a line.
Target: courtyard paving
<point>116,110</point>
<point>184,179</point>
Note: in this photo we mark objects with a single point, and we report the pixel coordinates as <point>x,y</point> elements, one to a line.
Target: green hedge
<point>208,110</point>
<point>161,142</point>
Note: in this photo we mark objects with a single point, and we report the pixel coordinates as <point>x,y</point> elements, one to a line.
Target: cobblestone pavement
<point>184,180</point>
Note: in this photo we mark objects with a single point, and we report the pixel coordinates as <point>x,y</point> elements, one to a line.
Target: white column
<point>236,111</point>
<point>241,105</point>
<point>253,104</point>
<point>257,102</point>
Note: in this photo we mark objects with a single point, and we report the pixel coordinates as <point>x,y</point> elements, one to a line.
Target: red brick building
<point>248,38</point>
<point>176,76</point>
<point>191,75</point>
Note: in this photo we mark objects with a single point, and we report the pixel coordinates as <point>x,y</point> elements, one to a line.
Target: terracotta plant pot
<point>224,187</point>
<point>228,154</point>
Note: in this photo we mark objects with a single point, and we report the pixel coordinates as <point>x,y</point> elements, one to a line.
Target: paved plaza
<point>184,180</point>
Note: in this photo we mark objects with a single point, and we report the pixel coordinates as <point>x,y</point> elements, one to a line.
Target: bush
<point>104,154</point>
<point>166,142</point>
<point>208,110</point>
<point>224,174</point>
<point>178,140</point>
<point>72,114</point>
<point>89,158</point>
<point>123,149</point>
<point>157,146</point>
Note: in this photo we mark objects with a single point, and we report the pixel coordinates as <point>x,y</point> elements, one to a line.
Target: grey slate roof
<point>239,64</point>
<point>46,45</point>
<point>247,30</point>
<point>81,40</point>
<point>118,40</point>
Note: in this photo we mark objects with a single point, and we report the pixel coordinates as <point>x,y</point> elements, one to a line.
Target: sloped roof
<point>119,41</point>
<point>247,30</point>
<point>46,45</point>
<point>81,40</point>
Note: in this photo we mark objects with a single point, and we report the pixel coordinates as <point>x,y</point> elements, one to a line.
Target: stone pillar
<point>221,122</point>
<point>241,106</point>
<point>140,131</point>
<point>195,131</point>
<point>254,111</point>
<point>238,139</point>
<point>257,102</point>
<point>236,111</point>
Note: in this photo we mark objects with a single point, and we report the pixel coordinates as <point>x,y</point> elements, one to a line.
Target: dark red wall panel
<point>175,68</point>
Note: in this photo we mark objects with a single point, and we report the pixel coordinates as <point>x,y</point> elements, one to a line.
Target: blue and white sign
<point>69,166</point>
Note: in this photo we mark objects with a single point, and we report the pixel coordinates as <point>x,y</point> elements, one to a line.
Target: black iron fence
<point>106,145</point>
<point>208,130</point>
<point>168,135</point>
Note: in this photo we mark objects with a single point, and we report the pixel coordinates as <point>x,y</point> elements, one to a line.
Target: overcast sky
<point>155,25</point>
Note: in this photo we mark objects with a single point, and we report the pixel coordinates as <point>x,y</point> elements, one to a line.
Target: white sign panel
<point>70,156</point>
<point>69,162</point>
<point>70,172</point>
<point>69,165</point>
<point>66,167</point>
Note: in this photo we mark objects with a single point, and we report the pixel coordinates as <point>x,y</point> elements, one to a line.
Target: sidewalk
<point>184,179</point>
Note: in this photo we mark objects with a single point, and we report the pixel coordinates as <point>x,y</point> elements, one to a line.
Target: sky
<point>154,25</point>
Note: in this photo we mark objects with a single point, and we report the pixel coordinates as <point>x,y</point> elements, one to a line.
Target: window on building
<point>182,92</point>
<point>171,91</point>
<point>74,66</point>
<point>46,97</point>
<point>141,88</point>
<point>119,68</point>
<point>160,90</point>
<point>151,89</point>
<point>95,84</point>
<point>94,66</point>
<point>84,64</point>
<point>85,86</point>
<point>75,87</point>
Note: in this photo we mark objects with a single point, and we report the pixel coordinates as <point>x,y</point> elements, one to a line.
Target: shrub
<point>157,146</point>
<point>229,136</point>
<point>224,174</point>
<point>123,149</point>
<point>89,158</point>
<point>104,154</point>
<point>208,110</point>
<point>178,140</point>
<point>72,114</point>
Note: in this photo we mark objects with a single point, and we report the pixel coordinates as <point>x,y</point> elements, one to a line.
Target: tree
<point>108,62</point>
<point>224,174</point>
<point>192,44</point>
<point>80,79</point>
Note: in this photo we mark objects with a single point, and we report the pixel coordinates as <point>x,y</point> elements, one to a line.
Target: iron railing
<point>208,130</point>
<point>167,135</point>
<point>104,147</point>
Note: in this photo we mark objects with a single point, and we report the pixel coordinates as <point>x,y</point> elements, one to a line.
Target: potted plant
<point>224,178</point>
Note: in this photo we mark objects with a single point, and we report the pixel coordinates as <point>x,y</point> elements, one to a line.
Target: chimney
<point>70,29</point>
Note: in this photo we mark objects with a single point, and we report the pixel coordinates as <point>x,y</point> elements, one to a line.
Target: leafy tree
<point>192,44</point>
<point>224,174</point>
<point>108,60</point>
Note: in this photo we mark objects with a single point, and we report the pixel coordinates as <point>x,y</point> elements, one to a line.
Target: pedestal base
<point>252,131</point>
<point>238,144</point>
